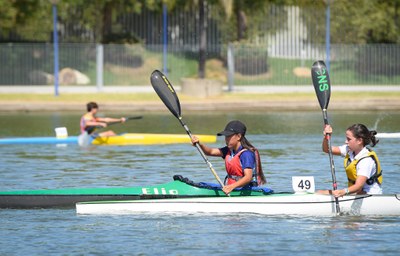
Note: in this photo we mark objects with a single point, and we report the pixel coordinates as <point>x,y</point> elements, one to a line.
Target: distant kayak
<point>39,140</point>
<point>123,139</point>
<point>388,135</point>
<point>150,139</point>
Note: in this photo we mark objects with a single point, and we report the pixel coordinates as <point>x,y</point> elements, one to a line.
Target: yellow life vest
<point>351,169</point>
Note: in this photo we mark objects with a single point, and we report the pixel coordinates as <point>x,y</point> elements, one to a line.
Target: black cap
<point>233,127</point>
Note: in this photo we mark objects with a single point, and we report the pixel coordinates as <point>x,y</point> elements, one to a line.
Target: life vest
<point>351,169</point>
<point>235,170</point>
<point>89,129</point>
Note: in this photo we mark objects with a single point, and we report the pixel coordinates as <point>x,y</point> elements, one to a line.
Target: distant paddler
<point>89,121</point>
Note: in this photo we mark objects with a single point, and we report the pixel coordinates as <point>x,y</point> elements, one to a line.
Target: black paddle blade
<point>166,92</point>
<point>133,117</point>
<point>321,82</point>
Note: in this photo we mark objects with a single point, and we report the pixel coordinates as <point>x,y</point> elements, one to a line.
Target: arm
<point>110,120</point>
<point>248,175</point>
<point>95,123</point>
<point>207,150</point>
<point>356,188</point>
<point>325,148</point>
<point>365,168</point>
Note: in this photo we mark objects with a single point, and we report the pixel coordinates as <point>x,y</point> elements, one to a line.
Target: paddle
<point>322,86</point>
<point>168,95</point>
<point>126,119</point>
<point>84,138</point>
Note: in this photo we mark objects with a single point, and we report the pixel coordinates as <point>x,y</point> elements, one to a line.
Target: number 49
<point>303,184</point>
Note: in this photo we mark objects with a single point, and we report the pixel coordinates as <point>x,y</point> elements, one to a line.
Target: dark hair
<point>91,105</point>
<point>247,145</point>
<point>360,131</point>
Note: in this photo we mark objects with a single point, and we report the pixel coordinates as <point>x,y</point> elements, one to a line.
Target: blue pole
<point>165,39</point>
<point>328,35</point>
<point>55,43</point>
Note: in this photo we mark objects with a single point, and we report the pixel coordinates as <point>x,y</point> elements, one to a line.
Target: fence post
<point>231,67</point>
<point>165,38</point>
<point>99,66</point>
<point>328,35</point>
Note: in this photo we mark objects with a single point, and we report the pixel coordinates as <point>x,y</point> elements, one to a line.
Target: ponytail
<point>247,145</point>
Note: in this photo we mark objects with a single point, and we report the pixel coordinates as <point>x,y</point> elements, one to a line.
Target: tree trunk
<point>241,21</point>
<point>396,15</point>
<point>107,22</point>
<point>203,40</point>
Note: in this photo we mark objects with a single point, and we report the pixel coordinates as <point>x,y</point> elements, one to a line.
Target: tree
<point>18,17</point>
<point>356,21</point>
<point>99,16</point>
<point>8,16</point>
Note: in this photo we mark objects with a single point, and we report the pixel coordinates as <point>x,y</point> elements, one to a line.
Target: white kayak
<point>274,204</point>
<point>389,135</point>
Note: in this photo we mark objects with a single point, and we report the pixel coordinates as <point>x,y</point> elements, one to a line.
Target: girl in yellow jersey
<point>362,165</point>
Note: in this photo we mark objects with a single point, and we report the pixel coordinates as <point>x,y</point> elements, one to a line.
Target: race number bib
<point>303,184</point>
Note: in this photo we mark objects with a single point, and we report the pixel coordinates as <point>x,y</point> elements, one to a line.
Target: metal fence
<point>32,64</point>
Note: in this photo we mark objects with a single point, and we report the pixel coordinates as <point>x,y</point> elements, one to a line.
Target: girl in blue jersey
<point>242,160</point>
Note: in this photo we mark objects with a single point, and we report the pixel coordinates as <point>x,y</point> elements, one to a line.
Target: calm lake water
<point>290,145</point>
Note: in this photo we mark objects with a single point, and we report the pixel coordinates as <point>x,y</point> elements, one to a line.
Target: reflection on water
<point>298,122</point>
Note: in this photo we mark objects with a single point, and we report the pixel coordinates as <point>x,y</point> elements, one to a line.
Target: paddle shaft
<point>202,153</point>
<point>332,164</point>
<point>118,122</point>
<point>126,119</point>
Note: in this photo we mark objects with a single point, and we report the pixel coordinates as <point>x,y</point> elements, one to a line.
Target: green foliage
<point>352,22</point>
<point>356,21</point>
<point>8,16</point>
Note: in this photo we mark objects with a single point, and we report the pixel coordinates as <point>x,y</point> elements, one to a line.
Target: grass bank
<point>226,101</point>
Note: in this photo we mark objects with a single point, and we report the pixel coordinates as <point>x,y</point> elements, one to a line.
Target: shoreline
<point>205,105</point>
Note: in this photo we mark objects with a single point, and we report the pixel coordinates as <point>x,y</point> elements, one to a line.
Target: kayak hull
<point>67,198</point>
<point>39,140</point>
<point>150,139</point>
<point>384,135</point>
<point>123,139</point>
<point>54,201</point>
<point>184,196</point>
<point>273,204</point>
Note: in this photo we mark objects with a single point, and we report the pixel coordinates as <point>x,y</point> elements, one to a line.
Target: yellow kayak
<point>150,139</point>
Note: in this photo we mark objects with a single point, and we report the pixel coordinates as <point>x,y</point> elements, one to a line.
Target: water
<point>290,145</point>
